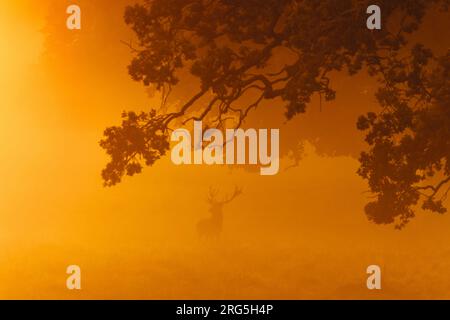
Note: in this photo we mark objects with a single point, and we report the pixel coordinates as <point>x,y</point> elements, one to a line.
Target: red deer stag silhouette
<point>211,228</point>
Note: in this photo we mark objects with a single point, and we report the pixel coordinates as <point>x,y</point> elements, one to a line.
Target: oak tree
<point>242,53</point>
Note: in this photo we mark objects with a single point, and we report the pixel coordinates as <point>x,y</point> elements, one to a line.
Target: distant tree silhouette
<point>231,47</point>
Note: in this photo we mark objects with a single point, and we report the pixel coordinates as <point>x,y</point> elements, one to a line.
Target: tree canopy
<point>242,53</point>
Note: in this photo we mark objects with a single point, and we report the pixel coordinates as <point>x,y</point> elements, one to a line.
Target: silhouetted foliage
<point>141,138</point>
<point>410,138</point>
<point>231,47</point>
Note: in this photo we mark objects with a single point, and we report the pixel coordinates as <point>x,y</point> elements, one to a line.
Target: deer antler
<point>237,191</point>
<point>212,195</point>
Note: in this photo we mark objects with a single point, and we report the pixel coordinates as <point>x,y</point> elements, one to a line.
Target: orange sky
<point>302,233</point>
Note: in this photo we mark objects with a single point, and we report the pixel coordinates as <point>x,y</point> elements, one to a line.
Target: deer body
<point>211,228</point>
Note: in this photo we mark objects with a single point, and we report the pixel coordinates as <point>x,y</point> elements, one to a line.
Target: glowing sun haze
<point>299,234</point>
